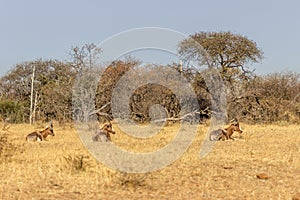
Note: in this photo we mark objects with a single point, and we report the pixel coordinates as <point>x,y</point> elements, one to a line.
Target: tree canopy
<point>230,53</point>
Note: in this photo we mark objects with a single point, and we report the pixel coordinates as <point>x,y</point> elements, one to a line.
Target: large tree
<point>52,88</point>
<point>230,53</point>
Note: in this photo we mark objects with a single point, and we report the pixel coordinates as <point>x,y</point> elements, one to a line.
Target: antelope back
<point>34,137</point>
<point>100,135</point>
<point>216,135</point>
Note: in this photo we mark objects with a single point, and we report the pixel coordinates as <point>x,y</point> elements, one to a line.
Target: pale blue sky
<point>33,29</point>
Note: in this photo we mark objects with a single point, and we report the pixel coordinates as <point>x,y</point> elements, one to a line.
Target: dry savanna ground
<point>263,163</point>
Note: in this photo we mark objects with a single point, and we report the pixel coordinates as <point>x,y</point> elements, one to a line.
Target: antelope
<point>229,131</point>
<point>38,136</point>
<point>226,133</point>
<point>103,134</point>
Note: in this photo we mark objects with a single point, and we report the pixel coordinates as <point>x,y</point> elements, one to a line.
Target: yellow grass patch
<point>61,167</point>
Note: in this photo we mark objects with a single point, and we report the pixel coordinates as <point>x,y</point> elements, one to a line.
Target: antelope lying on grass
<point>103,134</point>
<point>38,136</point>
<point>226,133</point>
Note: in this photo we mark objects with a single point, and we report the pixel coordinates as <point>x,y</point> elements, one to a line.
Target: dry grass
<point>61,168</point>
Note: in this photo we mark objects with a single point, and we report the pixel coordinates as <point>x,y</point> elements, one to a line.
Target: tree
<point>85,62</point>
<point>52,88</point>
<point>108,80</point>
<point>85,57</point>
<point>230,53</point>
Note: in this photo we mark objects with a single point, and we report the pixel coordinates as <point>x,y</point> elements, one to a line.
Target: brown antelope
<point>226,133</point>
<point>229,131</point>
<point>103,134</point>
<point>38,136</point>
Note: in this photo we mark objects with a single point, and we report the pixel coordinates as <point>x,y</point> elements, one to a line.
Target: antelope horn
<point>234,121</point>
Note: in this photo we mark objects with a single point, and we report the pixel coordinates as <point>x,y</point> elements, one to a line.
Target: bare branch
<point>98,110</point>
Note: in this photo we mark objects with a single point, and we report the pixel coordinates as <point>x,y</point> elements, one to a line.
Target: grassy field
<point>61,168</point>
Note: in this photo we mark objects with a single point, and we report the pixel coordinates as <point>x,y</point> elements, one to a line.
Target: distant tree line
<point>268,98</point>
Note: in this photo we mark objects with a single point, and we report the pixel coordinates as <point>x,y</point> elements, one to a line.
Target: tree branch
<point>98,110</point>
<point>177,119</point>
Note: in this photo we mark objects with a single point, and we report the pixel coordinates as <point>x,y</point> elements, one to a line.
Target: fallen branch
<point>98,111</point>
<point>177,119</point>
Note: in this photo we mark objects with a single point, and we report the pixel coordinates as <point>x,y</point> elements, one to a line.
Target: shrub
<point>12,110</point>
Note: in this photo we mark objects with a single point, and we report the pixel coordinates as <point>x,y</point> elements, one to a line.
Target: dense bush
<point>107,83</point>
<point>270,98</point>
<point>12,110</point>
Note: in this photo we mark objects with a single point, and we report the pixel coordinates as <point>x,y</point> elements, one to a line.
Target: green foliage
<point>12,110</point>
<point>52,88</point>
